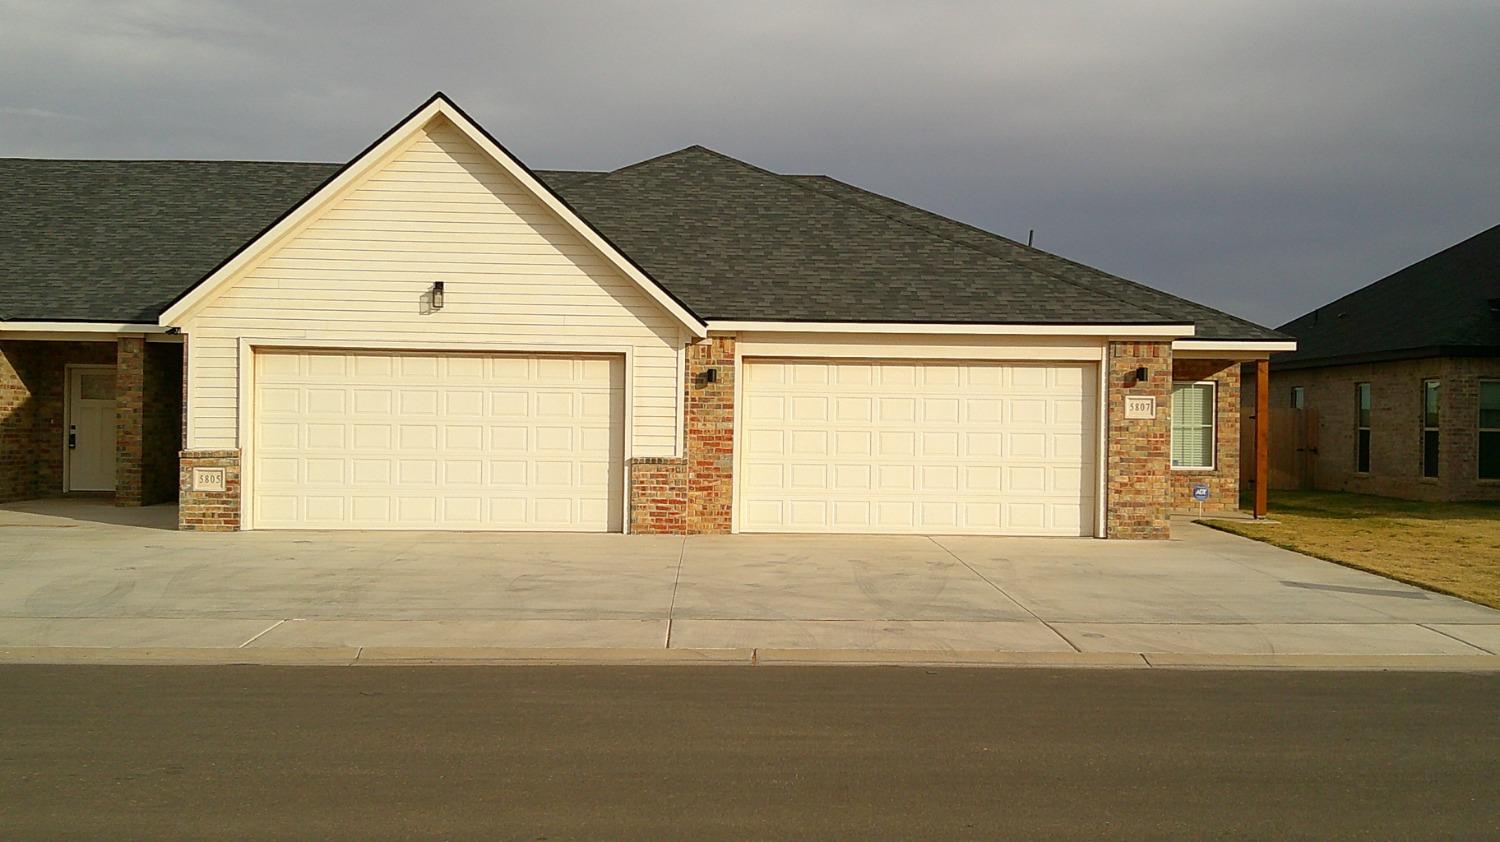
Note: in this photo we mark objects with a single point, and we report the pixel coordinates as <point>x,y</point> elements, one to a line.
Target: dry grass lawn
<point>1449,547</point>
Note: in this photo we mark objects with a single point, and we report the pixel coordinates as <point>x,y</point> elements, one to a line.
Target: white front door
<point>918,447</point>
<point>394,440</point>
<point>91,428</point>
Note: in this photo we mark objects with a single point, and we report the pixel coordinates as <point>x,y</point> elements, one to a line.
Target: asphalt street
<point>693,752</point>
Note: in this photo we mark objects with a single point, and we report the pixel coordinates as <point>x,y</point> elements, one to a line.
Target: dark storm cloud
<point>1261,157</point>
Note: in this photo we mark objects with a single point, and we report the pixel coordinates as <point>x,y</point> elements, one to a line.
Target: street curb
<point>376,656</point>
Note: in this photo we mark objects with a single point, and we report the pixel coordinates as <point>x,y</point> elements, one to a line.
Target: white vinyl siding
<point>1192,425</point>
<point>918,447</point>
<point>515,275</point>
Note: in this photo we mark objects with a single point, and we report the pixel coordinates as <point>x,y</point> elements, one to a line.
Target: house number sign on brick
<point>1140,406</point>
<point>208,479</point>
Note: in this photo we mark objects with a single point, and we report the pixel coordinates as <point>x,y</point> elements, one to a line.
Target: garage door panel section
<point>438,441</point>
<point>979,448</point>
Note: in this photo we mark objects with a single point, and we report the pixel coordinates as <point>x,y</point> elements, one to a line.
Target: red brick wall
<point>18,476</point>
<point>209,511</point>
<point>130,413</point>
<point>658,496</point>
<point>40,367</point>
<point>161,427</point>
<point>1139,453</point>
<point>1396,426</point>
<point>693,494</point>
<point>1224,480</point>
<point>709,436</point>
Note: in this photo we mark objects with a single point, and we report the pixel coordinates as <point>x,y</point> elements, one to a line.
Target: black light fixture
<point>437,295</point>
<point>710,375</point>
<point>1140,374</point>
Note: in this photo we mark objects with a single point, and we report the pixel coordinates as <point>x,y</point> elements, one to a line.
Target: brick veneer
<point>161,426</point>
<point>17,429</point>
<point>709,436</point>
<point>658,495</point>
<point>209,511</point>
<point>130,414</point>
<point>1395,426</point>
<point>1139,454</point>
<point>693,494</point>
<point>33,387</point>
<point>1224,480</point>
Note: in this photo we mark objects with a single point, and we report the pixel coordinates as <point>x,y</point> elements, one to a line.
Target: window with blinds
<point>1193,425</point>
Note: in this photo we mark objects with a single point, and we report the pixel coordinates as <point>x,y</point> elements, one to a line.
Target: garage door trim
<point>250,346</point>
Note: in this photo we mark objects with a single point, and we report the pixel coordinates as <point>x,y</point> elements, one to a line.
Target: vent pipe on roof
<point>1029,235</point>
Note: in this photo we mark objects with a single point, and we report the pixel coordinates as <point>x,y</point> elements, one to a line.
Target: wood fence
<point>1294,447</point>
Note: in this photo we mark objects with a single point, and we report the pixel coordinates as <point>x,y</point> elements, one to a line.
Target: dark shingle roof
<point>1443,305</point>
<point>119,240</point>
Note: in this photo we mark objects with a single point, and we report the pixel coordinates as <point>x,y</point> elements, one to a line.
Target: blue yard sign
<point>1200,491</point>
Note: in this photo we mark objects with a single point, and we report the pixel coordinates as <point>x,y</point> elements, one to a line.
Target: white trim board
<point>392,143</point>
<point>1118,331</point>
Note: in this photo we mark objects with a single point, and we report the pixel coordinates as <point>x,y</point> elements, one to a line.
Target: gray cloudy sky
<point>1262,157</point>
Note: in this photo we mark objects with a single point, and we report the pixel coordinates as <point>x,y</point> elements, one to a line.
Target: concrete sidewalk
<point>79,577</point>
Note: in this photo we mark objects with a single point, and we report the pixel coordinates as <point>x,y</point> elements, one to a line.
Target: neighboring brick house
<point>1404,377</point>
<point>433,336</point>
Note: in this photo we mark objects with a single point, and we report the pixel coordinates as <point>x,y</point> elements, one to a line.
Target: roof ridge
<point>1389,275</point>
<point>1043,252</point>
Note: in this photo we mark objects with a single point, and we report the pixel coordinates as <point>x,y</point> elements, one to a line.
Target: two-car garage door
<point>917,447</point>
<point>437,441</point>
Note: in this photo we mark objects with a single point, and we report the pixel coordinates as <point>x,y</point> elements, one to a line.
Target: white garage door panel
<point>438,441</point>
<point>918,447</point>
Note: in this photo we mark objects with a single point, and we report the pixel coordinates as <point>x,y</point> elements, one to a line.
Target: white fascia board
<point>1253,347</point>
<point>398,136</point>
<point>1170,330</point>
<point>126,328</point>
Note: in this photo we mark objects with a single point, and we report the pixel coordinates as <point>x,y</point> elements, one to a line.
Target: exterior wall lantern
<point>437,295</point>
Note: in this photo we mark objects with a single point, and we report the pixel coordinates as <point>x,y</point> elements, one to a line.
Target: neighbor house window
<point>1489,429</point>
<point>1430,391</point>
<point>1192,425</point>
<point>1299,398</point>
<point>1362,428</point>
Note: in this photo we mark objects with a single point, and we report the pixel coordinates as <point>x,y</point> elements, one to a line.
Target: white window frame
<point>1480,429</point>
<point>1213,426</point>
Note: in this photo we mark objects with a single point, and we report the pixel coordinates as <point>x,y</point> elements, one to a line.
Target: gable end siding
<point>514,273</point>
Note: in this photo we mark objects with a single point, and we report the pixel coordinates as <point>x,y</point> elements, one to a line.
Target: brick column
<point>709,439</point>
<point>1139,459</point>
<point>658,495</point>
<point>207,510</point>
<point>130,417</point>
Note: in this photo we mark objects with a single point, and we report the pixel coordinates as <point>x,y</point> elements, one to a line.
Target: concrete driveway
<point>84,574</point>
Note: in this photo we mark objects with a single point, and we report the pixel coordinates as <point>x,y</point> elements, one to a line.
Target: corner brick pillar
<point>1140,450</point>
<point>206,507</point>
<point>18,471</point>
<point>692,494</point>
<point>709,435</point>
<point>130,418</point>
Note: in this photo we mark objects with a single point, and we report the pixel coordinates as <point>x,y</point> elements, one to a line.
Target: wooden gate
<point>1294,447</point>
